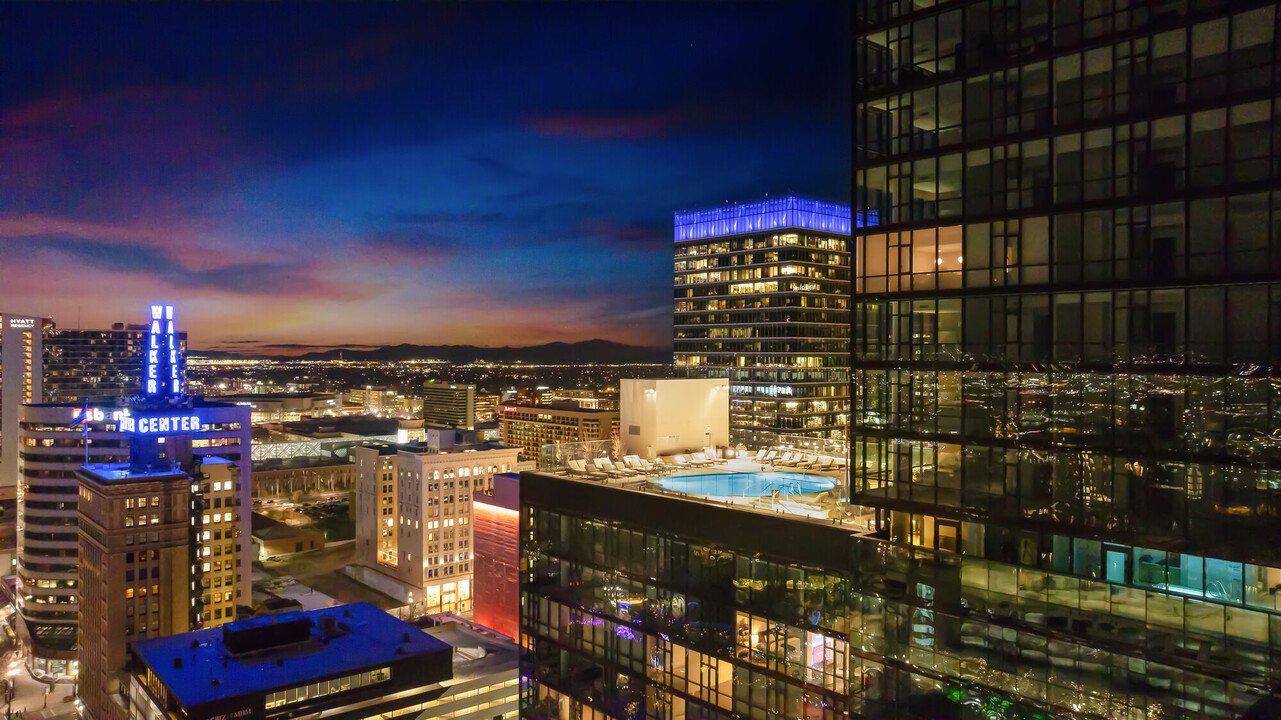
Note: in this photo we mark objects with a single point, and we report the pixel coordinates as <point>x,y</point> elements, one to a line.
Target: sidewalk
<point>30,696</point>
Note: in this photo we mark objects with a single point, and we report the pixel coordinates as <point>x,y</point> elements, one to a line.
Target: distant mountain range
<point>603,352</point>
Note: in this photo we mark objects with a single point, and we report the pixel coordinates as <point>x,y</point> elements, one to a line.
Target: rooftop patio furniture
<point>796,460</point>
<point>699,459</point>
<point>784,460</point>
<point>759,456</point>
<point>643,467</point>
<point>656,466</point>
<point>579,468</point>
<point>711,455</point>
<point>606,466</point>
<point>823,464</point>
<point>622,467</point>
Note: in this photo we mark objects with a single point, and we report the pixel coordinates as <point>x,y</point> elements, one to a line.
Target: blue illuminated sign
<point>163,376</point>
<point>160,424</point>
<point>788,212</point>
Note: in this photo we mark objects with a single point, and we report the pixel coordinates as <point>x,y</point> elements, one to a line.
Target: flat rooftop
<point>454,449</point>
<point>763,215</point>
<point>565,406</point>
<point>209,672</point>
<point>117,472</point>
<point>300,463</point>
<point>499,655</point>
<point>353,425</point>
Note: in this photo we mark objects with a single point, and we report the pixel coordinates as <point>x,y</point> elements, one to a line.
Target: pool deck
<point>808,505</point>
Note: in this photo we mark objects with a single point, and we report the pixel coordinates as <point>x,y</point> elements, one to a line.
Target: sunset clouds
<point>368,173</point>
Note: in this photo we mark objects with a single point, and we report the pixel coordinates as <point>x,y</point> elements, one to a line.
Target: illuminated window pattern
<point>302,693</point>
<point>769,311</point>
<point>1062,337</point>
<point>684,628</point>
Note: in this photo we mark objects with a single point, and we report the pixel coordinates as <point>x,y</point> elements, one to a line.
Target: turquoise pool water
<point>747,483</point>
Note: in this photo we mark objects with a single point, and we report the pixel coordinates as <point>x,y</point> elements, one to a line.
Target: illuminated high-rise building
<point>1064,350</point>
<point>48,364</point>
<point>48,375</point>
<point>48,581</point>
<point>163,545</point>
<point>21,374</point>
<point>449,404</point>
<point>762,297</point>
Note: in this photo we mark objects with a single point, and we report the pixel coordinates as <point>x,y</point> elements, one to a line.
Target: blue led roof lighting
<point>787,212</point>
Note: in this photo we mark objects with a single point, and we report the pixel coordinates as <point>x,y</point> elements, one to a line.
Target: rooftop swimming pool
<point>747,484</point>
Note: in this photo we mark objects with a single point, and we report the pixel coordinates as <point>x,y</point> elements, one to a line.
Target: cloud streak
<point>478,173</point>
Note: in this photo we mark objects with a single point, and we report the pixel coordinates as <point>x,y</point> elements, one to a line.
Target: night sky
<point>319,175</point>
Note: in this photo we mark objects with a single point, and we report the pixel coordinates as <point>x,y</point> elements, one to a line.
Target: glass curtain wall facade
<point>1067,335</point>
<point>637,605</point>
<point>762,297</point>
<point>91,365</point>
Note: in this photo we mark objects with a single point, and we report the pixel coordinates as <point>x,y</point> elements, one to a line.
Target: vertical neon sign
<point>163,378</point>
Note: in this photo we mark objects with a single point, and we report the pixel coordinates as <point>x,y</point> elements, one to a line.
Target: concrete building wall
<point>435,521</point>
<point>375,507</point>
<point>664,416</point>
<point>21,367</point>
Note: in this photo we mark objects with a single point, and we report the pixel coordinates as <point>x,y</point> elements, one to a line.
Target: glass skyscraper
<point>762,297</point>
<point>1065,341</point>
<point>1065,487</point>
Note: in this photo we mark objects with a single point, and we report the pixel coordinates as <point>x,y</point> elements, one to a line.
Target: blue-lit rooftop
<point>368,637</point>
<point>773,214</point>
<point>116,472</point>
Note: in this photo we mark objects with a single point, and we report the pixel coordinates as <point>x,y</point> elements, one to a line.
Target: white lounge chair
<point>682,462</point>
<point>794,461</point>
<point>579,468</point>
<point>620,468</point>
<point>711,455</point>
<point>823,465</point>
<point>642,467</point>
<point>698,459</point>
<point>605,466</point>
<point>759,456</point>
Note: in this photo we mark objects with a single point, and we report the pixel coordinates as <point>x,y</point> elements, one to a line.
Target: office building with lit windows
<point>530,427</point>
<point>163,546</point>
<point>450,405</point>
<point>21,372</point>
<point>156,558</point>
<point>762,297</point>
<point>50,447</point>
<point>48,364</point>
<point>414,520</point>
<point>1064,348</point>
<point>51,451</point>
